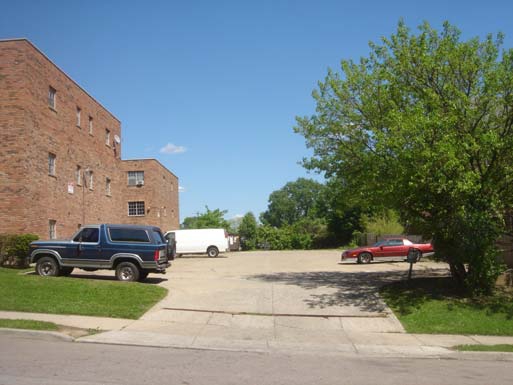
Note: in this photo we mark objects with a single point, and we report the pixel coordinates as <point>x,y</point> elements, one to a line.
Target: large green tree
<point>424,125</point>
<point>248,232</point>
<point>210,219</point>
<point>294,201</point>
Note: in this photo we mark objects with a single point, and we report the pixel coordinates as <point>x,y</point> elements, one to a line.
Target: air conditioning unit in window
<point>140,183</point>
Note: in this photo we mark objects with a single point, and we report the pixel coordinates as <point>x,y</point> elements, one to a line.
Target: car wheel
<point>127,272</point>
<point>143,275</point>
<point>47,267</point>
<point>419,255</point>
<point>212,252</point>
<point>65,271</point>
<point>365,258</point>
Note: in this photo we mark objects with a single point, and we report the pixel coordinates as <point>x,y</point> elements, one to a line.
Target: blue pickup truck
<point>133,251</point>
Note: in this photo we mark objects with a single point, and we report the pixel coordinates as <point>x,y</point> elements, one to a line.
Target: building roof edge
<point>63,72</point>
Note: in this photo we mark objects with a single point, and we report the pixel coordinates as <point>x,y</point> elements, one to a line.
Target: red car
<point>388,248</point>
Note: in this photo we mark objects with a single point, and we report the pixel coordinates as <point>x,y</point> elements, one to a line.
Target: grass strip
<point>78,296</point>
<point>438,306</point>
<point>27,324</point>
<point>485,348</point>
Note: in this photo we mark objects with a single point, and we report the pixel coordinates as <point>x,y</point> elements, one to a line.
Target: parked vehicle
<point>388,248</point>
<point>199,241</point>
<point>132,251</point>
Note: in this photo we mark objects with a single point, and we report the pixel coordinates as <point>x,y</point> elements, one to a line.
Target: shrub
<point>15,249</point>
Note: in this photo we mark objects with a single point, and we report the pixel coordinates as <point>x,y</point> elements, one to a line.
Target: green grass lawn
<point>80,296</point>
<point>437,306</point>
<point>484,348</point>
<point>27,324</point>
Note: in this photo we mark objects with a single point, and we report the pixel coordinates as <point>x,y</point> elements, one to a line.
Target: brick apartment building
<point>60,156</point>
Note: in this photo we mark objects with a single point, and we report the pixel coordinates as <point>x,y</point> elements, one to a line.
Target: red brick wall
<point>159,193</point>
<point>30,129</point>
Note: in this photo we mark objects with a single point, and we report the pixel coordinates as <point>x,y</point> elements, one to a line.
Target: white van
<point>199,241</point>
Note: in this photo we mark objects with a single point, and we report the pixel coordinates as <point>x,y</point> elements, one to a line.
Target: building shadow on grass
<point>352,289</point>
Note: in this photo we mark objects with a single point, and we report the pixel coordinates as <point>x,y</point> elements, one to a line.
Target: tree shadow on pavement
<point>353,289</point>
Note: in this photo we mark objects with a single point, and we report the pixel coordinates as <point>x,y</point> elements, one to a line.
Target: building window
<point>51,97</point>
<point>78,175</point>
<point>90,180</point>
<point>52,229</point>
<point>135,178</point>
<point>79,112</point>
<point>90,125</point>
<point>107,137</point>
<point>135,209</point>
<point>51,164</point>
<point>107,186</point>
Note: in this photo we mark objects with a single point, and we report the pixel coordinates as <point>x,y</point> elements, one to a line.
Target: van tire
<point>212,252</point>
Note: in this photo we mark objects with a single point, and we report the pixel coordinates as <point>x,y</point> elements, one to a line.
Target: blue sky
<point>212,88</point>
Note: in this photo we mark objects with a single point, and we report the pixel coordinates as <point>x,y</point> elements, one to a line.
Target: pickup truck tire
<point>143,275</point>
<point>212,252</point>
<point>47,267</point>
<point>127,272</point>
<point>65,271</point>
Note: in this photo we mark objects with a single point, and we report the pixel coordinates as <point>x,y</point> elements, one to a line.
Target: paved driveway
<point>267,300</point>
<point>284,283</point>
<point>276,297</point>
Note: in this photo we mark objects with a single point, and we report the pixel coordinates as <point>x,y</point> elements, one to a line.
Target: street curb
<point>39,334</point>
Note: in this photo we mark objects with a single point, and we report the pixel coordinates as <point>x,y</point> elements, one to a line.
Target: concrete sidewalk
<point>266,334</point>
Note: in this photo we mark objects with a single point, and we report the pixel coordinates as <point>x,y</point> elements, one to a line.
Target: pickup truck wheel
<point>47,267</point>
<point>127,272</point>
<point>212,252</point>
<point>143,275</point>
<point>65,271</point>
<point>365,258</point>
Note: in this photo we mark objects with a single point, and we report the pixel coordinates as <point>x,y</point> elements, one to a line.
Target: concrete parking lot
<point>277,298</point>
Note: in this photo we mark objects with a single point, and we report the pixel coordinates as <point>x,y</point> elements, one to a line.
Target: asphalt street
<point>25,360</point>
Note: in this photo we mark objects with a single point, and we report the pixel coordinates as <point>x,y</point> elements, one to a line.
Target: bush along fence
<point>15,249</point>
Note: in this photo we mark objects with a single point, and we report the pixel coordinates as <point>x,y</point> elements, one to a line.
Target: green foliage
<point>424,125</point>
<point>294,201</point>
<point>15,249</point>
<point>248,232</point>
<point>211,219</point>
<point>385,223</point>
<point>303,234</point>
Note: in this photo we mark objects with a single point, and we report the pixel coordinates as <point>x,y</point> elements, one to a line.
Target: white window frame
<point>52,229</point>
<point>91,180</point>
<point>107,137</point>
<point>107,187</point>
<point>52,160</point>
<point>78,175</point>
<point>136,209</point>
<point>79,113</point>
<point>52,99</point>
<point>90,125</point>
<point>135,178</point>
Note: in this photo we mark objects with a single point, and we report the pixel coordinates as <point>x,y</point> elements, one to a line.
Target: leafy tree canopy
<point>211,219</point>
<point>296,200</point>
<point>423,125</point>
<point>248,231</point>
